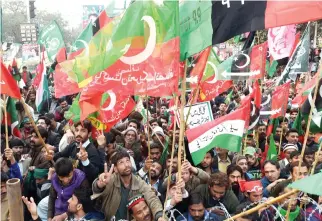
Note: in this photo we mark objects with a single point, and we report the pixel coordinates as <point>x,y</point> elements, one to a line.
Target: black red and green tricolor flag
<point>207,22</point>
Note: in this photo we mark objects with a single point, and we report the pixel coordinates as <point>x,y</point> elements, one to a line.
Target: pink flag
<point>281,40</point>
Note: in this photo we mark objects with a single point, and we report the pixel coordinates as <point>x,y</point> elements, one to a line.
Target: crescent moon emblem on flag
<point>136,59</point>
<point>86,46</point>
<point>112,102</point>
<point>247,61</point>
<point>215,70</point>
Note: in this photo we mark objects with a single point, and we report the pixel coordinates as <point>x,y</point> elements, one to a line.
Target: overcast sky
<point>72,9</point>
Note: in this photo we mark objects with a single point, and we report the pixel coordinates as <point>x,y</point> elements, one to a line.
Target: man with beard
<point>293,114</point>
<point>311,144</point>
<point>254,167</point>
<point>156,171</point>
<point>53,138</point>
<point>197,211</point>
<point>261,131</point>
<point>17,147</point>
<point>114,190</point>
<point>207,162</point>
<point>234,174</point>
<point>25,129</point>
<point>217,192</point>
<point>138,209</point>
<point>132,145</point>
<point>158,135</point>
<point>222,160</point>
<point>82,151</point>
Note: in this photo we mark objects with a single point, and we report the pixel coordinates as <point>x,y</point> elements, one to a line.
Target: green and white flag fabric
<point>42,94</point>
<point>311,184</point>
<point>52,39</point>
<point>225,132</point>
<point>272,152</point>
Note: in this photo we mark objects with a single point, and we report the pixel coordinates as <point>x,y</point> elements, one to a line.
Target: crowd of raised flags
<point>104,133</point>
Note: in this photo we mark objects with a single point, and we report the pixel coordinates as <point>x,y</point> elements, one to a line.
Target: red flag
<point>37,79</point>
<point>8,84</point>
<point>256,94</point>
<point>280,99</point>
<point>211,88</point>
<point>63,85</point>
<point>115,107</point>
<point>258,60</point>
<point>304,92</point>
<point>61,55</point>
<point>156,76</point>
<point>197,68</point>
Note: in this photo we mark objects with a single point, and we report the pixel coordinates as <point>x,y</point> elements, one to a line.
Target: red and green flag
<point>304,92</point>
<point>224,132</point>
<point>205,23</point>
<point>13,117</point>
<point>42,93</point>
<point>211,89</point>
<point>8,84</point>
<point>142,60</point>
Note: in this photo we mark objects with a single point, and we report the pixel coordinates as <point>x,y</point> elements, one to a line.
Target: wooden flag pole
<point>34,125</point>
<point>316,158</point>
<point>148,132</point>
<point>5,120</point>
<point>172,155</point>
<point>260,206</point>
<point>306,135</point>
<point>182,122</point>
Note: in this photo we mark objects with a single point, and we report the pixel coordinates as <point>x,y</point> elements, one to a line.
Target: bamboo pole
<point>14,199</point>
<point>260,206</point>
<point>6,120</point>
<point>306,136</point>
<point>34,125</point>
<point>172,155</point>
<point>316,158</point>
<point>148,132</point>
<point>182,122</point>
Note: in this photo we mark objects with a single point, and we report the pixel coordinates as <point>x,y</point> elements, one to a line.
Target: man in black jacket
<point>53,138</point>
<point>82,151</point>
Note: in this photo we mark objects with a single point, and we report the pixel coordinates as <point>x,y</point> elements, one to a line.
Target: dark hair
<point>24,67</point>
<point>293,110</point>
<point>273,162</point>
<point>136,115</point>
<point>294,154</point>
<point>47,121</point>
<point>118,155</point>
<point>195,198</point>
<point>164,105</point>
<point>61,100</point>
<point>50,116</point>
<point>162,167</point>
<point>3,129</point>
<point>63,167</point>
<point>16,142</point>
<point>292,130</point>
<point>136,122</point>
<point>309,151</point>
<point>155,145</point>
<point>297,164</point>
<point>218,179</point>
<point>153,120</point>
<point>233,167</point>
<point>164,118</point>
<point>86,124</point>
<point>42,131</point>
<point>84,197</point>
<point>175,155</point>
<point>212,154</point>
<point>245,206</point>
<point>4,177</point>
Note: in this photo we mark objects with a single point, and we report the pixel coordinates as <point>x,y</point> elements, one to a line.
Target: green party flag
<point>311,184</point>
<point>52,38</point>
<point>228,98</point>
<point>272,68</point>
<point>74,112</point>
<point>297,124</point>
<point>272,152</point>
